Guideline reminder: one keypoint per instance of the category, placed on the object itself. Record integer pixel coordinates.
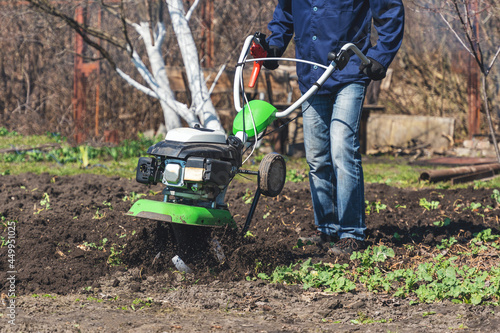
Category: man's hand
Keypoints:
(272, 52)
(374, 70)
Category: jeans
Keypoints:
(331, 138)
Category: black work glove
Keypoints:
(272, 51)
(374, 70)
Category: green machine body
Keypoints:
(262, 113)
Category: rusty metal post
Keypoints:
(82, 71)
(207, 44)
(473, 98)
(473, 89)
(79, 82)
(97, 87)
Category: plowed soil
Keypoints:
(82, 265)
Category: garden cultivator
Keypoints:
(196, 165)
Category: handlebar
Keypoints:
(239, 71)
(339, 61)
(257, 50)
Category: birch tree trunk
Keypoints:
(201, 103)
(157, 79)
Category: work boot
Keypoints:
(318, 238)
(346, 246)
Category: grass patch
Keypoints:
(393, 174)
(124, 168)
(10, 139)
(433, 280)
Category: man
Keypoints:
(331, 117)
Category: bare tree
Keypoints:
(144, 21)
(474, 23)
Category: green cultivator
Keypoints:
(196, 165)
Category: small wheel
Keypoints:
(272, 174)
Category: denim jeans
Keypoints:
(331, 138)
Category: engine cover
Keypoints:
(187, 134)
(192, 169)
(184, 150)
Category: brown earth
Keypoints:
(68, 279)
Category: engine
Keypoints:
(194, 164)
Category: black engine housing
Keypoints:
(220, 161)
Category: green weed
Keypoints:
(45, 203)
(483, 240)
(496, 196)
(114, 256)
(141, 304)
(248, 234)
(107, 204)
(133, 197)
(374, 206)
(485, 236)
(95, 299)
(428, 205)
(331, 277)
(442, 223)
(364, 319)
(373, 255)
(6, 132)
(474, 206)
(447, 243)
(296, 176)
(98, 215)
(429, 282)
(100, 246)
(247, 197)
(3, 241)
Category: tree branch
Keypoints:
(467, 26)
(111, 9)
(143, 70)
(44, 6)
(130, 47)
(136, 84)
(217, 77)
(81, 29)
(455, 33)
(492, 62)
(191, 10)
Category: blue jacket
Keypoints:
(322, 26)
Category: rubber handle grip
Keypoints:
(255, 73)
